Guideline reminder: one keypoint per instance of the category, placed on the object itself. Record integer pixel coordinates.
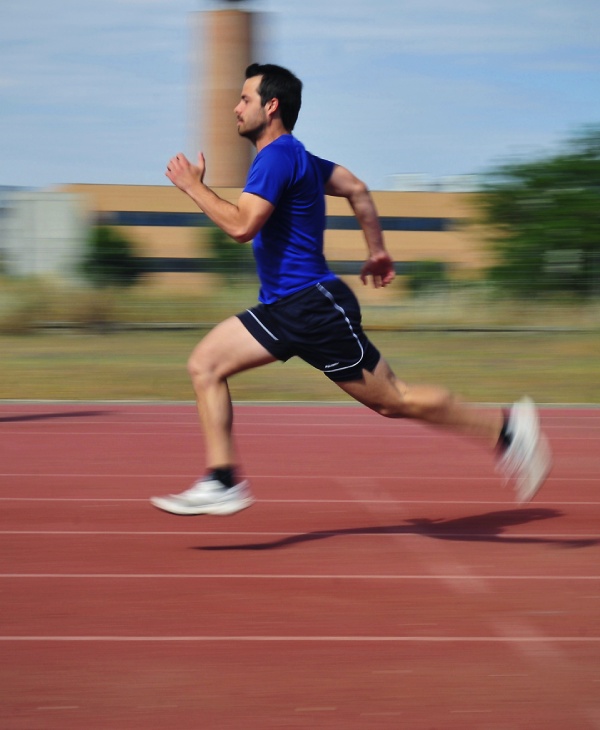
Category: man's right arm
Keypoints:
(242, 221)
(379, 265)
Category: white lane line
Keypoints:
(177, 405)
(412, 478)
(289, 576)
(324, 639)
(418, 476)
(350, 413)
(400, 532)
(188, 475)
(325, 431)
(429, 501)
(23, 422)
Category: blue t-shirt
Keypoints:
(289, 248)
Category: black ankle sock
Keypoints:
(505, 439)
(225, 475)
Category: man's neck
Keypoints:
(270, 135)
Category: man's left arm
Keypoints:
(379, 265)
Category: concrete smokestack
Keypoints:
(226, 38)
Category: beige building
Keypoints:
(163, 223)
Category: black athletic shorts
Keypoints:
(320, 324)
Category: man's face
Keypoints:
(250, 113)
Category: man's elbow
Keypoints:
(359, 191)
(360, 188)
(242, 236)
(241, 232)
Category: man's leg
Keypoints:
(526, 455)
(384, 393)
(228, 349)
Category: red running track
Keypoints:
(384, 578)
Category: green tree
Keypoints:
(109, 259)
(545, 221)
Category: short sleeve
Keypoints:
(325, 168)
(270, 174)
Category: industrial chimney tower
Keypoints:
(225, 41)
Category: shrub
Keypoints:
(109, 259)
(427, 277)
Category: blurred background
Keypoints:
(476, 125)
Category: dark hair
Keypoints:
(279, 83)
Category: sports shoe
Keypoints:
(528, 459)
(207, 497)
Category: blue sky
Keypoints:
(98, 92)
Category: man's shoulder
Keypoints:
(282, 145)
(282, 152)
(288, 147)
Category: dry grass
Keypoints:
(79, 363)
(482, 366)
(37, 302)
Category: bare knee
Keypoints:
(416, 402)
(425, 402)
(202, 367)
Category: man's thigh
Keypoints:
(228, 349)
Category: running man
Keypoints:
(305, 310)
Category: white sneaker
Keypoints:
(528, 459)
(207, 497)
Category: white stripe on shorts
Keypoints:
(340, 309)
(262, 325)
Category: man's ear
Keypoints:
(272, 106)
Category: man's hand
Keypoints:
(379, 266)
(183, 174)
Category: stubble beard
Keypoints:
(254, 134)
